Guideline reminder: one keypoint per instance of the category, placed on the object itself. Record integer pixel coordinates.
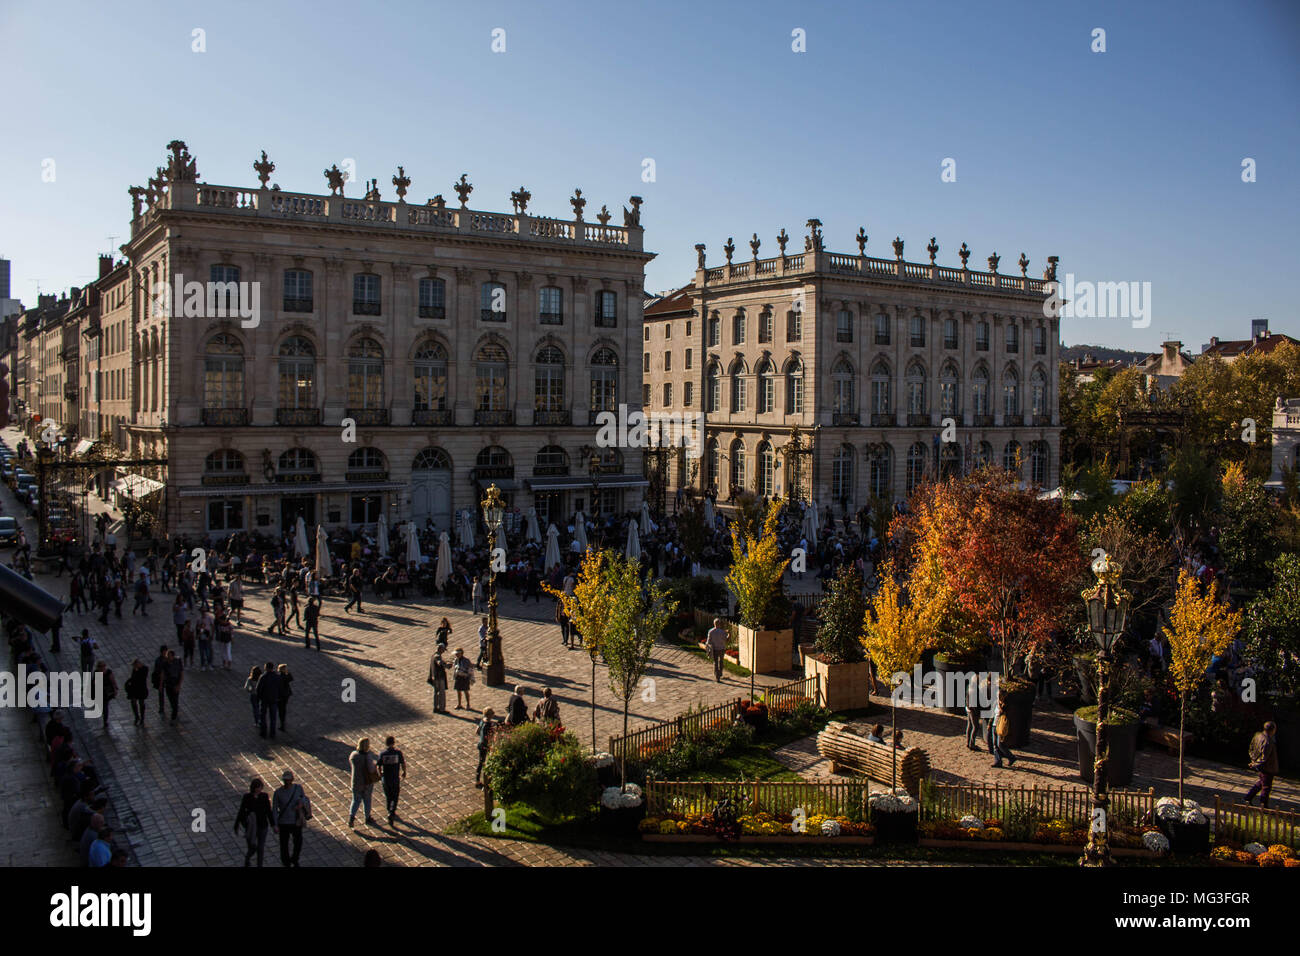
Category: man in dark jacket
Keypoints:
(156, 677)
(268, 693)
(1263, 760)
(173, 674)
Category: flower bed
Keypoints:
(760, 827)
(1050, 836)
(1255, 854)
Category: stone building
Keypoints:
(866, 358)
(464, 347)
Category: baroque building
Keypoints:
(847, 378)
(343, 358)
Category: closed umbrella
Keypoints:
(534, 534)
(633, 549)
(811, 524)
(412, 544)
(580, 531)
(381, 539)
(708, 513)
(646, 523)
(324, 563)
(443, 571)
(552, 547)
(300, 547)
(465, 530)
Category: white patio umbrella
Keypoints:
(580, 531)
(646, 523)
(301, 548)
(324, 563)
(466, 530)
(810, 524)
(633, 549)
(708, 513)
(381, 538)
(534, 532)
(443, 571)
(552, 547)
(412, 544)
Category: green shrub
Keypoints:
(1118, 716)
(1020, 821)
(532, 764)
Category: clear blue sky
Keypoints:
(1126, 164)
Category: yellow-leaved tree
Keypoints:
(1201, 626)
(757, 566)
(588, 609)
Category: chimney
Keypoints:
(105, 265)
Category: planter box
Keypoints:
(1019, 708)
(895, 827)
(1027, 847)
(1122, 747)
(1186, 837)
(843, 686)
(765, 652)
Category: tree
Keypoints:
(1201, 626)
(637, 617)
(896, 633)
(1247, 527)
(691, 529)
(1195, 493)
(1148, 509)
(588, 609)
(1272, 627)
(839, 636)
(757, 568)
(1143, 556)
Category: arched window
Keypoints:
(493, 456)
(297, 461)
(431, 377)
(607, 461)
(794, 325)
(842, 474)
(224, 461)
(949, 390)
(713, 388)
(223, 372)
(1039, 460)
(980, 390)
(766, 387)
(765, 326)
(491, 393)
(881, 388)
(766, 470)
(1011, 457)
(604, 380)
(794, 387)
(548, 380)
(365, 374)
(843, 398)
(737, 467)
(1011, 391)
(738, 395)
(1038, 392)
(882, 470)
(715, 330)
(551, 460)
(916, 389)
(431, 459)
(714, 464)
(915, 467)
(367, 459)
(297, 373)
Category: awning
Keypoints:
(136, 486)
(621, 481)
(83, 446)
(558, 483)
(279, 490)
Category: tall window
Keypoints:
(550, 305)
(915, 467)
(713, 463)
(668, 361)
(688, 394)
(983, 455)
(842, 474)
(948, 389)
(365, 294)
(1040, 340)
(687, 363)
(225, 288)
(365, 374)
(297, 373)
(1038, 392)
(548, 392)
(1038, 462)
(882, 329)
(492, 302)
(794, 387)
(223, 372)
(604, 381)
(882, 468)
(1011, 392)
(843, 399)
(881, 388)
(981, 337)
(606, 309)
(738, 395)
(668, 394)
(491, 393)
(980, 391)
(431, 377)
(715, 330)
(297, 290)
(766, 470)
(738, 328)
(794, 325)
(1013, 338)
(712, 389)
(766, 387)
(765, 326)
(950, 338)
(433, 299)
(737, 466)
(1011, 457)
(844, 326)
(916, 389)
(916, 331)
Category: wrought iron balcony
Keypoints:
(983, 421)
(70, 391)
(919, 419)
(883, 420)
(845, 418)
(551, 318)
(593, 416)
(299, 305)
(1042, 421)
(556, 416)
(494, 416)
(224, 417)
(431, 416)
(297, 417)
(1014, 421)
(364, 308)
(433, 311)
(491, 315)
(367, 416)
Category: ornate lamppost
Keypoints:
(1108, 606)
(493, 511)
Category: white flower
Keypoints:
(1255, 849)
(611, 798)
(630, 800)
(971, 822)
(831, 828)
(603, 759)
(1155, 842)
(1194, 816)
(633, 789)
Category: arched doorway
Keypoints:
(431, 489)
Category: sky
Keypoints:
(1127, 163)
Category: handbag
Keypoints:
(1002, 726)
(372, 773)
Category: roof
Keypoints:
(676, 302)
(1238, 347)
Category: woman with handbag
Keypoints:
(998, 727)
(438, 681)
(365, 774)
(462, 677)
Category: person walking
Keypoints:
(109, 690)
(286, 691)
(290, 810)
(972, 712)
(548, 709)
(443, 634)
(717, 642)
(87, 645)
(476, 596)
(277, 612)
(365, 773)
(268, 696)
(292, 617)
(392, 764)
(438, 681)
(225, 639)
(236, 595)
(137, 690)
(517, 708)
(156, 678)
(141, 595)
(998, 727)
(462, 676)
(187, 647)
(354, 591)
(484, 741)
(1264, 761)
(250, 686)
(482, 644)
(311, 622)
(562, 619)
(254, 816)
(173, 675)
(180, 614)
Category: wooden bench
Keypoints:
(847, 749)
(1166, 737)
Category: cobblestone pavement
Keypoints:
(1050, 759)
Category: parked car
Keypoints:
(8, 530)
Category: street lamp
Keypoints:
(493, 511)
(1108, 606)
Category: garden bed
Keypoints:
(772, 839)
(1017, 847)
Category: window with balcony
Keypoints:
(980, 392)
(433, 299)
(548, 381)
(365, 376)
(882, 388)
(365, 294)
(713, 389)
(738, 470)
(491, 390)
(430, 399)
(1011, 393)
(604, 381)
(738, 389)
(766, 387)
(916, 404)
(766, 485)
(949, 390)
(296, 398)
(843, 399)
(1038, 396)
(794, 387)
(223, 373)
(298, 296)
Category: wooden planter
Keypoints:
(843, 686)
(765, 652)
